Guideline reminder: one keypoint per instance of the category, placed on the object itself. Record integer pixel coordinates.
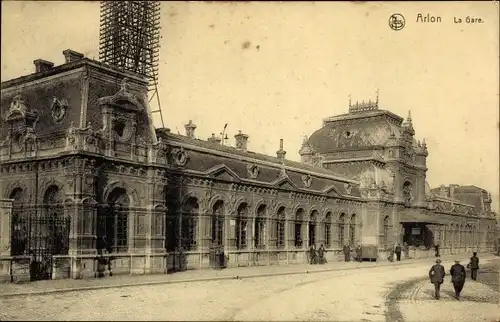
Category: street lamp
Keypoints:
(223, 138)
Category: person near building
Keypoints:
(436, 249)
(398, 250)
(474, 266)
(312, 254)
(321, 254)
(347, 253)
(458, 275)
(436, 275)
(359, 257)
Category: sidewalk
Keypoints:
(68, 285)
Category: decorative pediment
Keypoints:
(123, 99)
(285, 183)
(222, 172)
(332, 191)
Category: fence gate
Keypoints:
(41, 236)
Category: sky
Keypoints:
(274, 70)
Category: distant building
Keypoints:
(86, 177)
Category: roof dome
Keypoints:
(362, 133)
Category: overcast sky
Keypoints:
(275, 70)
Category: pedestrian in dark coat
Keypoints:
(458, 274)
(312, 254)
(436, 275)
(397, 250)
(474, 266)
(321, 254)
(436, 249)
(347, 253)
(359, 257)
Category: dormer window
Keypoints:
(347, 134)
(119, 128)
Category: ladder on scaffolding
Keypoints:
(158, 108)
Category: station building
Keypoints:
(85, 176)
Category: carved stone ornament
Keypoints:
(181, 157)
(348, 187)
(59, 109)
(253, 171)
(307, 180)
(17, 106)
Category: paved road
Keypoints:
(414, 299)
(356, 295)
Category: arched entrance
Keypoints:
(49, 234)
(112, 228)
(19, 224)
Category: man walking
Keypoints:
(436, 250)
(474, 266)
(458, 274)
(398, 252)
(436, 275)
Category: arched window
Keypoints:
(341, 230)
(312, 227)
(280, 228)
(189, 221)
(385, 240)
(113, 222)
(260, 227)
(218, 223)
(241, 226)
(327, 226)
(352, 231)
(299, 217)
(19, 223)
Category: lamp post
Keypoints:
(223, 138)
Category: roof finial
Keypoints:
(376, 102)
(409, 116)
(350, 100)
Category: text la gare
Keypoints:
(468, 19)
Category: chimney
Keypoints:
(281, 153)
(214, 139)
(190, 127)
(42, 65)
(71, 55)
(241, 141)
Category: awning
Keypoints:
(416, 216)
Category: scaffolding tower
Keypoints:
(130, 39)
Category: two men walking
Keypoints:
(457, 272)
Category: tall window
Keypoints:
(280, 228)
(260, 227)
(218, 223)
(327, 224)
(312, 227)
(340, 229)
(386, 232)
(19, 241)
(241, 226)
(113, 222)
(352, 231)
(299, 217)
(189, 220)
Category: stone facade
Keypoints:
(91, 188)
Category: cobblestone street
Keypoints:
(347, 295)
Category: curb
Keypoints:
(202, 279)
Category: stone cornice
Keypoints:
(19, 86)
(55, 72)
